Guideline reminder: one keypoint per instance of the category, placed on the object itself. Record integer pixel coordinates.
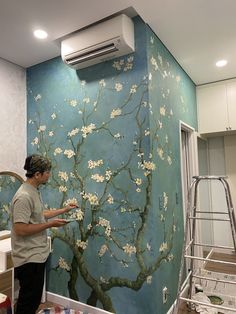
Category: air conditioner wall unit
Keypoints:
(98, 43)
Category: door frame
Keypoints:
(193, 170)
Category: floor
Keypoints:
(222, 268)
(219, 268)
(45, 305)
(227, 269)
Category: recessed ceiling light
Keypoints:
(221, 63)
(39, 33)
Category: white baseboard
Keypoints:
(75, 305)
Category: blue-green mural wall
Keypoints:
(112, 133)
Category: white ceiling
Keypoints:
(196, 32)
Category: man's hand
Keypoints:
(58, 222)
(70, 206)
(55, 212)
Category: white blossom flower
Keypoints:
(106, 224)
(98, 178)
(41, 128)
(82, 244)
(138, 190)
(115, 113)
(149, 165)
(165, 200)
(102, 250)
(70, 200)
(73, 102)
(133, 89)
(169, 160)
(63, 264)
(154, 63)
(149, 280)
(73, 132)
(116, 65)
(50, 133)
(86, 100)
(160, 153)
(62, 188)
(92, 198)
(38, 97)
(162, 217)
(110, 199)
(88, 129)
(160, 58)
(63, 176)
(170, 257)
(102, 83)
(163, 247)
(35, 141)
(93, 164)
(83, 83)
(53, 116)
(128, 66)
(79, 214)
(103, 280)
(129, 249)
(57, 151)
(162, 111)
(118, 87)
(108, 174)
(117, 135)
(138, 181)
(146, 132)
(69, 153)
(130, 59)
(89, 226)
(123, 209)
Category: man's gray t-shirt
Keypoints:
(27, 207)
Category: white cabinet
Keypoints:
(231, 97)
(217, 107)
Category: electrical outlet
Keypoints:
(164, 295)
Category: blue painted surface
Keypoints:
(111, 131)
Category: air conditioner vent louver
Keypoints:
(92, 54)
(109, 39)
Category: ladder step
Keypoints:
(209, 260)
(210, 177)
(214, 246)
(207, 212)
(214, 279)
(215, 219)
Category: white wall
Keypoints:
(12, 117)
(230, 164)
(221, 165)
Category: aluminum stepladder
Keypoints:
(187, 287)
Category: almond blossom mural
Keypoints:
(110, 131)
